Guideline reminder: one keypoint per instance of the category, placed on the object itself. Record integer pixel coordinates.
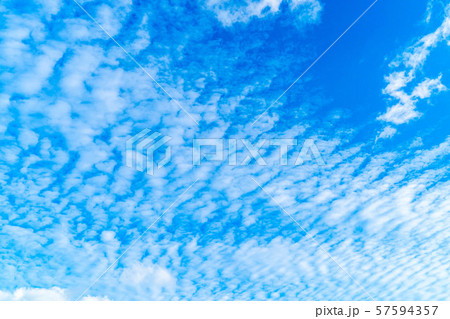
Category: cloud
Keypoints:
(405, 110)
(228, 12)
(429, 86)
(31, 294)
(70, 207)
(50, 7)
(41, 294)
(387, 132)
(309, 10)
(399, 82)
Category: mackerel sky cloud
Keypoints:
(80, 78)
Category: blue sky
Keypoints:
(376, 105)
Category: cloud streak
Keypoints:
(410, 62)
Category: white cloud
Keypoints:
(30, 294)
(405, 110)
(41, 294)
(27, 138)
(427, 87)
(229, 13)
(400, 81)
(75, 207)
(308, 10)
(50, 7)
(417, 142)
(107, 17)
(400, 113)
(387, 132)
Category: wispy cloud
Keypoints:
(230, 12)
(402, 80)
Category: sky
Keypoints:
(80, 78)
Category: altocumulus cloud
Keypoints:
(409, 64)
(70, 207)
